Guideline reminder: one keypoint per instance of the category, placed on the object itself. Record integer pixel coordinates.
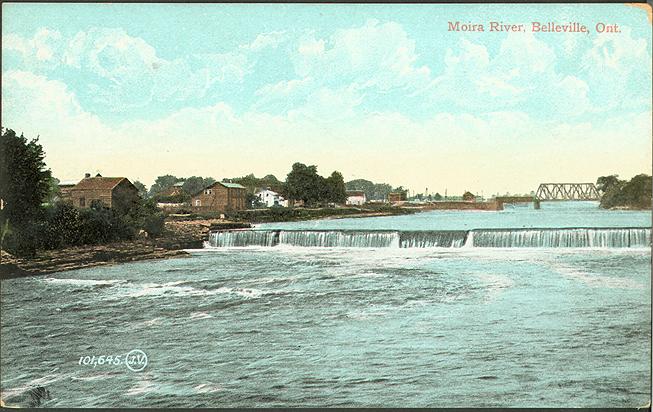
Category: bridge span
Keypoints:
(567, 191)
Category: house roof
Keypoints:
(232, 185)
(355, 193)
(225, 184)
(98, 183)
(68, 183)
(179, 184)
(266, 190)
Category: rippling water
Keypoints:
(306, 326)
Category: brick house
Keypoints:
(111, 191)
(220, 197)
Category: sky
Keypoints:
(382, 92)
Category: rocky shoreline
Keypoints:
(179, 234)
(177, 237)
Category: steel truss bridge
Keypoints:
(567, 191)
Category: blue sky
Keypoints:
(383, 92)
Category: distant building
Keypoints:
(219, 197)
(271, 198)
(109, 190)
(174, 190)
(396, 196)
(64, 188)
(355, 197)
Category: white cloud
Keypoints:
(264, 40)
(618, 71)
(220, 142)
(128, 71)
(374, 55)
(41, 51)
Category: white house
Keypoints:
(271, 198)
(356, 197)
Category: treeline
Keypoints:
(373, 191)
(302, 183)
(632, 194)
(189, 186)
(31, 217)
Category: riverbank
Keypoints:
(181, 232)
(171, 244)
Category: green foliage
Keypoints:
(303, 183)
(196, 184)
(634, 194)
(606, 183)
(28, 223)
(252, 183)
(335, 188)
(253, 201)
(142, 190)
(25, 184)
(437, 196)
(373, 191)
(180, 198)
(163, 183)
(154, 224)
(54, 192)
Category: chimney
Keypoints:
(87, 175)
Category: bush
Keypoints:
(635, 194)
(154, 224)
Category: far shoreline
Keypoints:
(189, 233)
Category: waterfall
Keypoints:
(478, 238)
(558, 238)
(334, 238)
(232, 238)
(441, 238)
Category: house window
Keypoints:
(198, 202)
(208, 191)
(82, 202)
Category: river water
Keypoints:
(402, 311)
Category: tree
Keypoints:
(380, 191)
(605, 183)
(142, 190)
(195, 184)
(25, 184)
(361, 184)
(469, 197)
(163, 183)
(335, 188)
(54, 191)
(373, 191)
(437, 196)
(303, 183)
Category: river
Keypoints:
(523, 307)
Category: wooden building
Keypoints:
(356, 197)
(174, 190)
(220, 197)
(111, 191)
(396, 197)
